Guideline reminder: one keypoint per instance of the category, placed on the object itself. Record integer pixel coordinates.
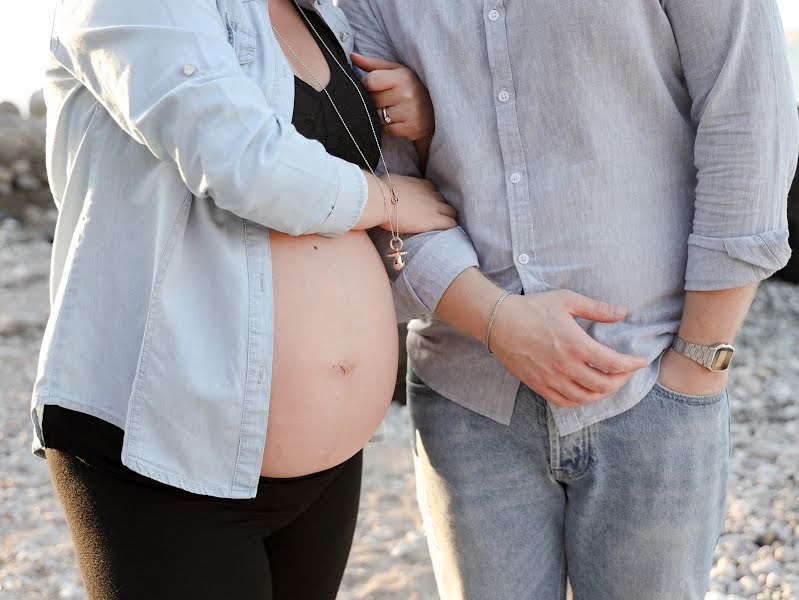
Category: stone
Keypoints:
(36, 107)
(724, 571)
(9, 108)
(748, 584)
(27, 183)
(21, 166)
(764, 566)
(23, 139)
(773, 579)
(784, 554)
(769, 537)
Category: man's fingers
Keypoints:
(372, 63)
(577, 393)
(599, 381)
(558, 399)
(593, 310)
(610, 361)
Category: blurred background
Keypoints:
(757, 556)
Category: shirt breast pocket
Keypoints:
(242, 37)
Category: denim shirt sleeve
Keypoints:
(435, 258)
(170, 79)
(747, 140)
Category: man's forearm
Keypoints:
(708, 318)
(712, 317)
(468, 302)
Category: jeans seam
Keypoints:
(587, 443)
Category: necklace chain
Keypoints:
(396, 242)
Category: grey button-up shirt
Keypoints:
(628, 151)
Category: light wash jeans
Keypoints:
(628, 509)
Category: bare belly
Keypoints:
(335, 351)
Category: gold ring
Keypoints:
(386, 116)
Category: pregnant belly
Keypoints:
(335, 351)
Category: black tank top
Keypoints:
(314, 115)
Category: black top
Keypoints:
(315, 117)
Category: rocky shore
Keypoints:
(757, 556)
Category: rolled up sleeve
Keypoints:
(747, 138)
(170, 79)
(435, 259)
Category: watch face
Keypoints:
(722, 359)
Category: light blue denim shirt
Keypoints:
(626, 150)
(170, 152)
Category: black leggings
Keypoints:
(137, 538)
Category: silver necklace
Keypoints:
(396, 242)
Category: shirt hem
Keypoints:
(142, 467)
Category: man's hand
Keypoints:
(708, 318)
(684, 376)
(397, 89)
(537, 339)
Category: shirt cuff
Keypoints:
(727, 263)
(430, 271)
(350, 201)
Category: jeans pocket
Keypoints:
(707, 400)
(413, 382)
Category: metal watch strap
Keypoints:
(701, 354)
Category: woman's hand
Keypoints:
(397, 89)
(421, 208)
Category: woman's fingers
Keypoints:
(372, 63)
(397, 114)
(389, 98)
(446, 210)
(379, 81)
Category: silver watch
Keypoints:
(714, 358)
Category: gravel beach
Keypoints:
(757, 556)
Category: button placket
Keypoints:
(513, 155)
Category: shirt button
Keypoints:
(504, 96)
(493, 15)
(524, 259)
(515, 177)
(344, 36)
(189, 70)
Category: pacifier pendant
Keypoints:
(396, 253)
